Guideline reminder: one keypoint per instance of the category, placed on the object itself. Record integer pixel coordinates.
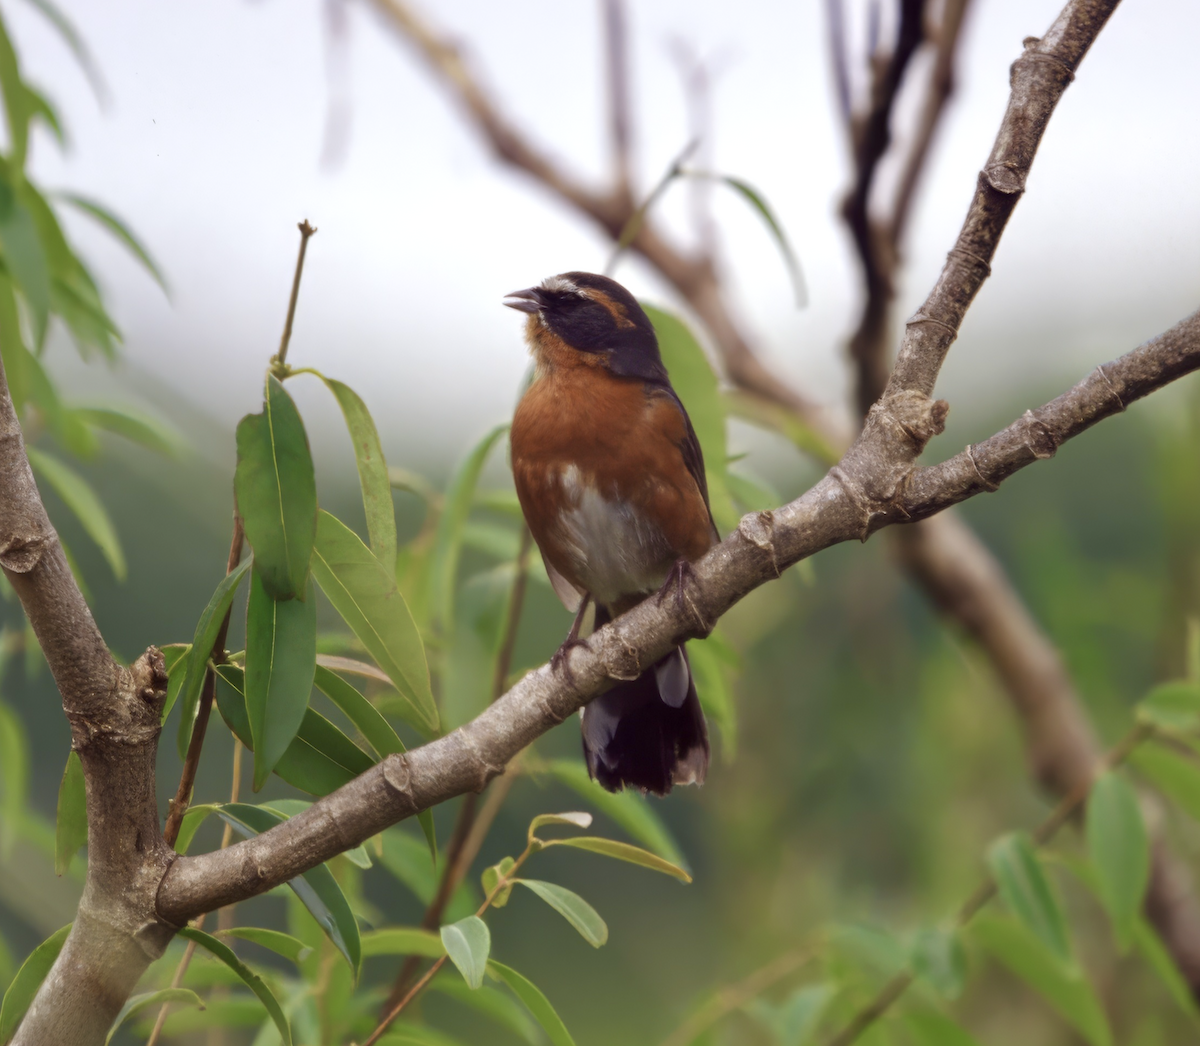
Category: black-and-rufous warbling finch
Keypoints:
(610, 477)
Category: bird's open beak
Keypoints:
(530, 300)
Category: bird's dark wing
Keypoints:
(693, 456)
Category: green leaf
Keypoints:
(28, 980)
(1027, 892)
(71, 830)
(356, 855)
(1175, 775)
(121, 231)
(14, 778)
(628, 809)
(403, 940)
(447, 546)
(193, 818)
(409, 1033)
(175, 663)
(248, 976)
(366, 596)
(571, 907)
(24, 252)
(66, 29)
(535, 1001)
(372, 472)
(1060, 983)
(1172, 706)
(134, 426)
(281, 654)
(574, 818)
(1120, 852)
(713, 663)
(1152, 949)
(316, 888)
(695, 383)
(794, 1022)
(406, 857)
(491, 879)
(468, 942)
(930, 1028)
(376, 730)
(939, 959)
(276, 492)
(83, 501)
(622, 852)
(136, 1003)
(492, 1003)
(755, 199)
(196, 663)
(280, 943)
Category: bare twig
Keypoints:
(620, 123)
(306, 232)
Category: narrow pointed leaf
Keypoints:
(573, 818)
(1175, 775)
(76, 44)
(573, 908)
(27, 981)
(316, 888)
(447, 546)
(1120, 852)
(247, 975)
(490, 879)
(930, 1028)
(468, 942)
(121, 231)
(938, 958)
(372, 472)
(366, 596)
(494, 1004)
(281, 654)
(1060, 983)
(276, 492)
(83, 501)
(628, 809)
(403, 940)
(280, 943)
(196, 663)
(175, 664)
(14, 778)
(137, 1003)
(622, 852)
(794, 1021)
(755, 199)
(1014, 863)
(71, 829)
(193, 818)
(535, 1001)
(134, 426)
(1172, 706)
(1152, 949)
(25, 254)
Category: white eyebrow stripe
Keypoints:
(560, 284)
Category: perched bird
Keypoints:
(611, 479)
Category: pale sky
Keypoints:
(211, 145)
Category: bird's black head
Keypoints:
(592, 313)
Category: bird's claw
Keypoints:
(559, 659)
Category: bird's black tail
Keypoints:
(649, 732)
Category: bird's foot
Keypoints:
(559, 660)
(679, 577)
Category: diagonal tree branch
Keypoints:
(875, 485)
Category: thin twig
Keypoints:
(306, 231)
(616, 46)
(466, 839)
(633, 224)
(187, 779)
(1063, 812)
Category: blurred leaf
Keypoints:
(1027, 892)
(752, 495)
(695, 382)
(870, 948)
(196, 663)
(1059, 982)
(281, 652)
(493, 1003)
(39, 106)
(930, 1028)
(14, 779)
(136, 1003)
(408, 1033)
(447, 546)
(276, 492)
(571, 907)
(366, 596)
(280, 943)
(1175, 775)
(403, 940)
(491, 879)
(8, 965)
(714, 665)
(500, 541)
(24, 253)
(406, 857)
(794, 1022)
(939, 959)
(79, 497)
(774, 418)
(28, 980)
(316, 888)
(535, 1001)
(1120, 852)
(13, 353)
(468, 942)
(1147, 941)
(193, 818)
(66, 29)
(622, 852)
(755, 199)
(121, 231)
(248, 976)
(372, 472)
(628, 809)
(71, 824)
(134, 426)
(1172, 706)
